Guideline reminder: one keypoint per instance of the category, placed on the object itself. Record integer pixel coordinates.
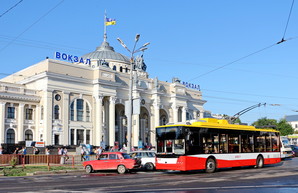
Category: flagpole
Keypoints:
(105, 27)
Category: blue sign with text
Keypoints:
(71, 58)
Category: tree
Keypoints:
(265, 122)
(282, 126)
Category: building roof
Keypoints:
(291, 118)
(105, 51)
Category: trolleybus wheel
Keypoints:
(210, 165)
(260, 162)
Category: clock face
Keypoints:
(57, 97)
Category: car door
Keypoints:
(113, 161)
(101, 163)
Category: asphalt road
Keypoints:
(279, 178)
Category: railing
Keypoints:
(44, 160)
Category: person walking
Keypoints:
(35, 150)
(60, 151)
(24, 150)
(98, 152)
(1, 150)
(65, 154)
(47, 151)
(82, 154)
(16, 151)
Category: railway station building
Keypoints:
(70, 100)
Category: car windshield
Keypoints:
(126, 156)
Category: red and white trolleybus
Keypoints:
(209, 143)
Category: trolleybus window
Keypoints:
(170, 140)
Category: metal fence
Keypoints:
(44, 160)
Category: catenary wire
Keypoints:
(220, 67)
(288, 20)
(3, 48)
(5, 12)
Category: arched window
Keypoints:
(56, 112)
(80, 109)
(28, 135)
(10, 136)
(163, 120)
(114, 67)
(121, 69)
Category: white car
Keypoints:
(147, 158)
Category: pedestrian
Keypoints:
(47, 151)
(98, 152)
(24, 150)
(16, 151)
(60, 151)
(60, 154)
(65, 154)
(124, 147)
(35, 150)
(1, 150)
(82, 154)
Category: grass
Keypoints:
(20, 171)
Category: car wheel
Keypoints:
(89, 169)
(210, 165)
(121, 169)
(260, 162)
(149, 166)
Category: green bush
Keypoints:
(13, 162)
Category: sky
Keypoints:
(228, 47)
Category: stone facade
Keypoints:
(68, 103)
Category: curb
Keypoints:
(55, 172)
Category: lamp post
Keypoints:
(129, 109)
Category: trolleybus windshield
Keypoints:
(170, 140)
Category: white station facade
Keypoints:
(70, 100)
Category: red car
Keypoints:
(119, 161)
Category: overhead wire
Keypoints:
(41, 44)
(288, 20)
(12, 41)
(281, 41)
(5, 12)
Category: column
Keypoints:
(156, 123)
(184, 110)
(65, 118)
(2, 122)
(20, 132)
(112, 120)
(37, 123)
(175, 113)
(98, 121)
(195, 115)
(156, 115)
(201, 114)
(48, 117)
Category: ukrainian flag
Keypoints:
(110, 21)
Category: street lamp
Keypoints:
(129, 109)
